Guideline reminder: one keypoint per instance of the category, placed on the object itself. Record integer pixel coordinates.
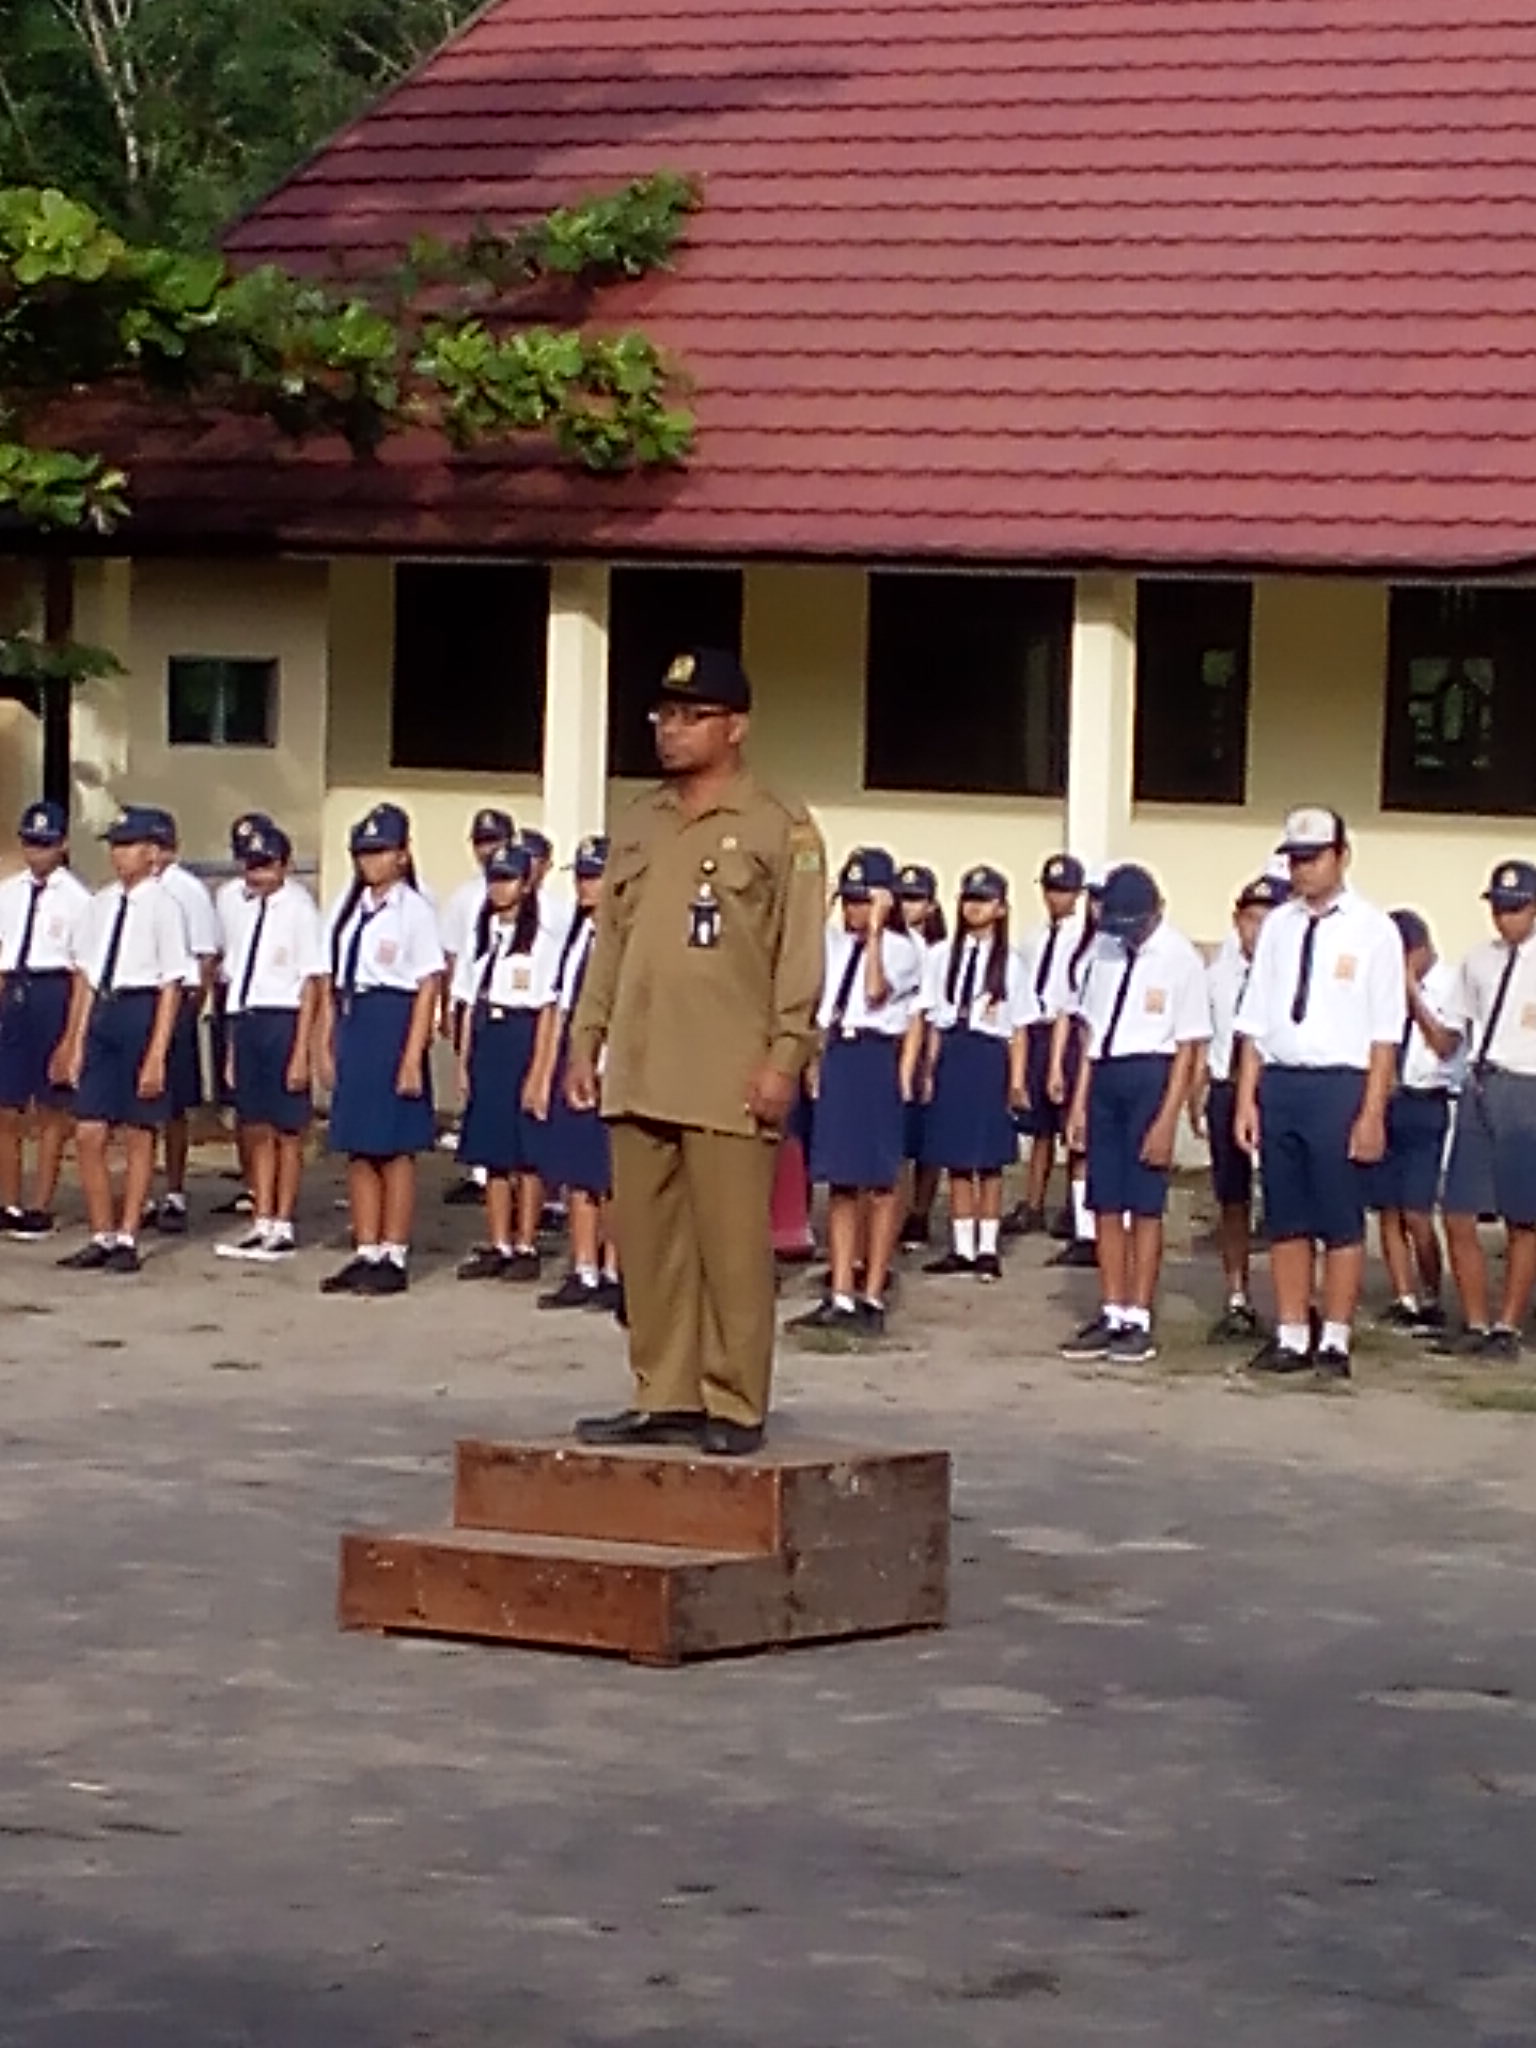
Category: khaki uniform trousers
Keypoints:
(692, 1217)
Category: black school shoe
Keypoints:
(26, 1225)
(951, 1262)
(383, 1276)
(573, 1292)
(1091, 1341)
(170, 1220)
(1331, 1364)
(607, 1297)
(1501, 1346)
(524, 1265)
(988, 1266)
(1064, 1223)
(1273, 1358)
(90, 1258)
(826, 1315)
(242, 1204)
(1467, 1343)
(731, 1439)
(483, 1263)
(1081, 1253)
(642, 1426)
(348, 1279)
(124, 1258)
(464, 1194)
(1022, 1221)
(1237, 1324)
(915, 1235)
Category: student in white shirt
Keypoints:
(974, 1078)
(870, 1020)
(489, 831)
(1074, 1223)
(1046, 953)
(230, 892)
(507, 983)
(381, 1005)
(1144, 1010)
(557, 906)
(922, 919)
(1405, 1185)
(1492, 1167)
(185, 1084)
(1213, 1105)
(275, 961)
(39, 910)
(131, 965)
(1320, 1021)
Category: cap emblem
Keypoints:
(682, 672)
(855, 871)
(1508, 879)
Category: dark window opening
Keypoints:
(652, 613)
(1461, 701)
(212, 701)
(470, 655)
(1192, 672)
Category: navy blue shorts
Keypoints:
(183, 1067)
(1124, 1096)
(497, 1132)
(1312, 1188)
(368, 1119)
(1231, 1166)
(262, 1041)
(575, 1145)
(34, 1009)
(914, 1131)
(858, 1140)
(1408, 1177)
(115, 1043)
(1492, 1170)
(969, 1126)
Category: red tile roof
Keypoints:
(1119, 281)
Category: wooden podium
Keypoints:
(664, 1555)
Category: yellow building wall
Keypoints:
(21, 734)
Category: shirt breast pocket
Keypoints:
(628, 867)
(740, 875)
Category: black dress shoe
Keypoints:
(124, 1258)
(171, 1219)
(1080, 1252)
(90, 1258)
(642, 1426)
(731, 1439)
(348, 1280)
(464, 1194)
(1274, 1357)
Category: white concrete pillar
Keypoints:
(576, 704)
(1101, 726)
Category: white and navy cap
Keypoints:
(43, 824)
(1312, 829)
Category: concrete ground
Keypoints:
(1232, 1741)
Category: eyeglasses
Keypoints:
(686, 714)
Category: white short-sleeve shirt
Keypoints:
(992, 1019)
(192, 899)
(1226, 977)
(1355, 999)
(902, 960)
(1045, 955)
(1165, 1004)
(289, 946)
(60, 906)
(460, 912)
(1423, 1070)
(1473, 995)
(511, 981)
(152, 951)
(399, 948)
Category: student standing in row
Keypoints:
(1405, 1186)
(132, 963)
(1046, 955)
(1075, 1222)
(1320, 1021)
(578, 1156)
(974, 1071)
(870, 1021)
(40, 910)
(1144, 1010)
(185, 1081)
(489, 831)
(917, 893)
(241, 827)
(1213, 1105)
(1492, 1169)
(381, 1005)
(273, 945)
(507, 987)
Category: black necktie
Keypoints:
(1043, 971)
(114, 947)
(365, 918)
(250, 959)
(1107, 1045)
(1404, 1041)
(25, 948)
(574, 930)
(1501, 996)
(844, 994)
(967, 987)
(573, 996)
(483, 992)
(1303, 993)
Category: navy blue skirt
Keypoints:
(498, 1133)
(575, 1147)
(34, 1009)
(969, 1124)
(857, 1139)
(368, 1119)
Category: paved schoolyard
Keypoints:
(1233, 1740)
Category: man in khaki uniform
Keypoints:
(701, 996)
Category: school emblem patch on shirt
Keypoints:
(1528, 1017)
(1344, 967)
(1156, 1001)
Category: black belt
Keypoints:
(111, 995)
(1427, 1094)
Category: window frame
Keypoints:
(523, 754)
(270, 666)
(1189, 637)
(1510, 640)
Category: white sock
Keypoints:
(176, 1201)
(526, 1251)
(964, 1229)
(986, 1236)
(587, 1275)
(123, 1237)
(371, 1254)
(1293, 1336)
(1137, 1318)
(262, 1226)
(279, 1230)
(108, 1238)
(1409, 1301)
(611, 1275)
(1335, 1337)
(1086, 1227)
(1115, 1316)
(843, 1301)
(504, 1246)
(479, 1175)
(396, 1253)
(1238, 1298)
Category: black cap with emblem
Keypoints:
(707, 676)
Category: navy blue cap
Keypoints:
(706, 675)
(1064, 871)
(386, 829)
(163, 831)
(917, 884)
(1512, 885)
(1412, 929)
(265, 843)
(241, 828)
(1264, 892)
(1131, 901)
(591, 857)
(539, 844)
(488, 825)
(134, 825)
(866, 869)
(510, 863)
(984, 885)
(44, 824)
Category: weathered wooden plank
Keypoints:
(675, 1497)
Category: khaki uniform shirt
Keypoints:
(684, 1027)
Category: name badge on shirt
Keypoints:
(389, 952)
(1156, 1001)
(1528, 1017)
(522, 978)
(55, 927)
(1344, 967)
